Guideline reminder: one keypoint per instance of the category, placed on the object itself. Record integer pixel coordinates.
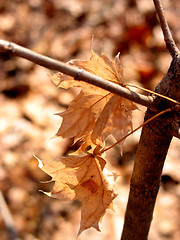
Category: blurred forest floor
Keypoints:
(62, 29)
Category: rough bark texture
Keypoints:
(145, 183)
(154, 143)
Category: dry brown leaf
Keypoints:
(81, 178)
(95, 111)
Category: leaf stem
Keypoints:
(122, 139)
(155, 93)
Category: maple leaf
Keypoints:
(95, 111)
(81, 178)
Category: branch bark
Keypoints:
(78, 74)
(155, 140)
(152, 149)
(145, 183)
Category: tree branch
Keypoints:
(150, 157)
(170, 44)
(154, 143)
(145, 181)
(76, 73)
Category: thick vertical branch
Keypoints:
(153, 146)
(145, 182)
(152, 149)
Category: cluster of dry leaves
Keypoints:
(92, 116)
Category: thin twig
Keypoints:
(155, 93)
(76, 73)
(170, 44)
(130, 133)
(8, 220)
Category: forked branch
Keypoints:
(154, 143)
